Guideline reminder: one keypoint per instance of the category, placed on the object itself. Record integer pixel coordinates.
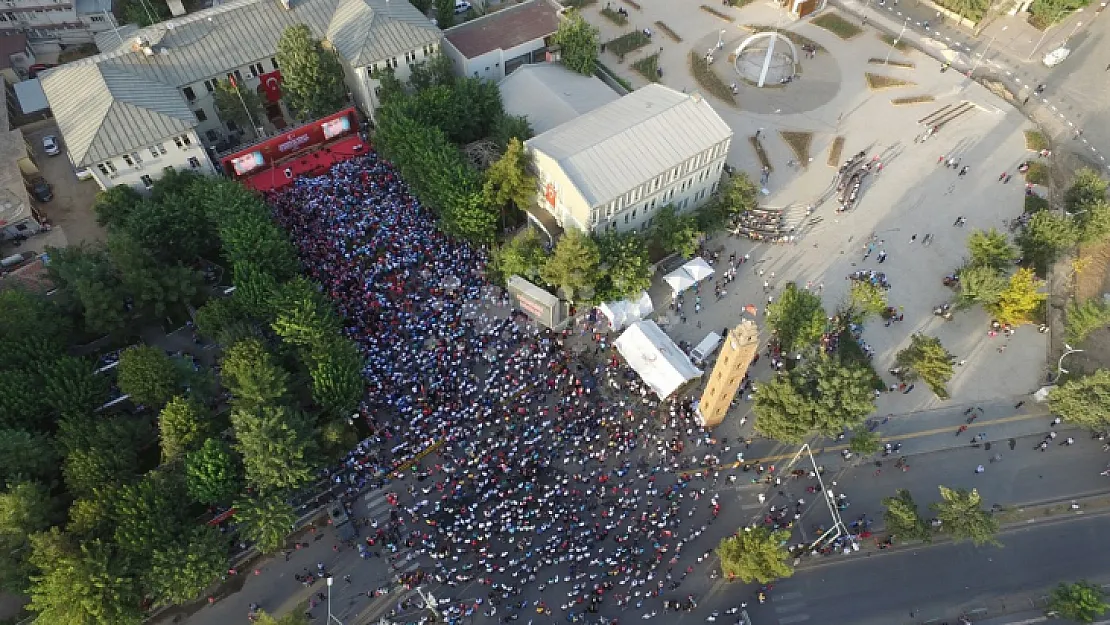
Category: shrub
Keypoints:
(1037, 174)
(648, 67)
(835, 151)
(710, 10)
(617, 18)
(709, 80)
(1035, 140)
(837, 25)
(1035, 203)
(628, 42)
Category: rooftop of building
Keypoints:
(14, 203)
(549, 94)
(11, 45)
(625, 143)
(505, 29)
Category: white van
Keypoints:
(705, 348)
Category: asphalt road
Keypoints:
(935, 583)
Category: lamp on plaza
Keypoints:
(1068, 350)
(721, 39)
(896, 41)
(985, 50)
(830, 498)
(331, 618)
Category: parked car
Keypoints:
(50, 145)
(84, 173)
(37, 68)
(461, 6)
(1056, 57)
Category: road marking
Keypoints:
(797, 618)
(787, 596)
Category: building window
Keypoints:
(153, 152)
(626, 218)
(147, 182)
(107, 168)
(231, 127)
(194, 162)
(257, 69)
(235, 78)
(127, 159)
(273, 62)
(182, 141)
(190, 95)
(96, 18)
(201, 115)
(634, 213)
(210, 85)
(212, 135)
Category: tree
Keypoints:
(509, 180)
(1087, 188)
(70, 387)
(1084, 401)
(445, 13)
(625, 267)
(152, 286)
(990, 248)
(433, 71)
(1020, 300)
(962, 517)
(251, 374)
(523, 255)
(87, 278)
(147, 515)
(142, 13)
(980, 284)
(675, 233)
(26, 508)
(148, 375)
(823, 395)
(902, 518)
(171, 224)
(27, 456)
(509, 127)
(305, 317)
(573, 267)
(864, 442)
(1045, 236)
(738, 194)
(390, 88)
(99, 452)
(1085, 317)
(867, 298)
(1080, 601)
(266, 521)
(578, 43)
(180, 571)
(311, 77)
(225, 321)
(182, 427)
(755, 554)
(212, 473)
(336, 372)
(81, 585)
(241, 106)
(926, 359)
(797, 318)
(1094, 222)
(113, 207)
(255, 239)
(276, 444)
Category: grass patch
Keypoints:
(1035, 140)
(628, 42)
(708, 9)
(760, 153)
(633, 4)
(899, 44)
(917, 99)
(648, 67)
(666, 30)
(837, 25)
(1037, 174)
(578, 4)
(617, 77)
(901, 64)
(613, 16)
(73, 53)
(709, 80)
(739, 4)
(835, 151)
(799, 143)
(877, 82)
(799, 40)
(1035, 204)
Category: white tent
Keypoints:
(627, 311)
(655, 357)
(688, 275)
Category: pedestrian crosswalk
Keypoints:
(377, 507)
(789, 607)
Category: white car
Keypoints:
(461, 6)
(84, 173)
(1055, 57)
(50, 145)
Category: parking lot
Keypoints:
(71, 209)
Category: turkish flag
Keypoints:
(271, 85)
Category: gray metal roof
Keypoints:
(549, 94)
(208, 44)
(626, 143)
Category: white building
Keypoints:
(494, 45)
(615, 166)
(146, 103)
(49, 25)
(550, 95)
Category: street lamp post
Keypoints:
(721, 39)
(1068, 351)
(895, 42)
(829, 497)
(331, 618)
(984, 54)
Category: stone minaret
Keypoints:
(737, 351)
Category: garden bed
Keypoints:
(917, 99)
(633, 4)
(835, 151)
(577, 4)
(708, 9)
(648, 67)
(877, 82)
(628, 42)
(709, 80)
(893, 63)
(760, 153)
(666, 30)
(613, 16)
(899, 44)
(799, 143)
(1037, 174)
(1035, 140)
(837, 25)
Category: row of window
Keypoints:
(254, 70)
(410, 59)
(662, 180)
(135, 159)
(631, 216)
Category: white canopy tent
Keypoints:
(624, 312)
(655, 357)
(688, 275)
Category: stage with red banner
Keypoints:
(306, 150)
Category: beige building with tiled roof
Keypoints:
(494, 45)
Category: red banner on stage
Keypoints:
(274, 150)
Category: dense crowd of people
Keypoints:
(554, 466)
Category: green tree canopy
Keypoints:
(797, 318)
(962, 516)
(738, 194)
(25, 508)
(864, 442)
(27, 456)
(902, 518)
(1093, 222)
(182, 427)
(1087, 188)
(248, 237)
(181, 570)
(675, 233)
(433, 71)
(1045, 236)
(755, 555)
(1084, 401)
(980, 284)
(1085, 317)
(625, 267)
(1080, 601)
(147, 515)
(32, 329)
(305, 317)
(579, 43)
(867, 298)
(1020, 302)
(311, 76)
(266, 521)
(523, 255)
(336, 372)
(573, 267)
(509, 127)
(241, 106)
(252, 375)
(89, 283)
(148, 374)
(113, 207)
(212, 473)
(822, 395)
(926, 359)
(70, 387)
(990, 248)
(509, 180)
(225, 321)
(445, 13)
(81, 585)
(277, 446)
(152, 286)
(100, 452)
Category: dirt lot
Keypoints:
(71, 208)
